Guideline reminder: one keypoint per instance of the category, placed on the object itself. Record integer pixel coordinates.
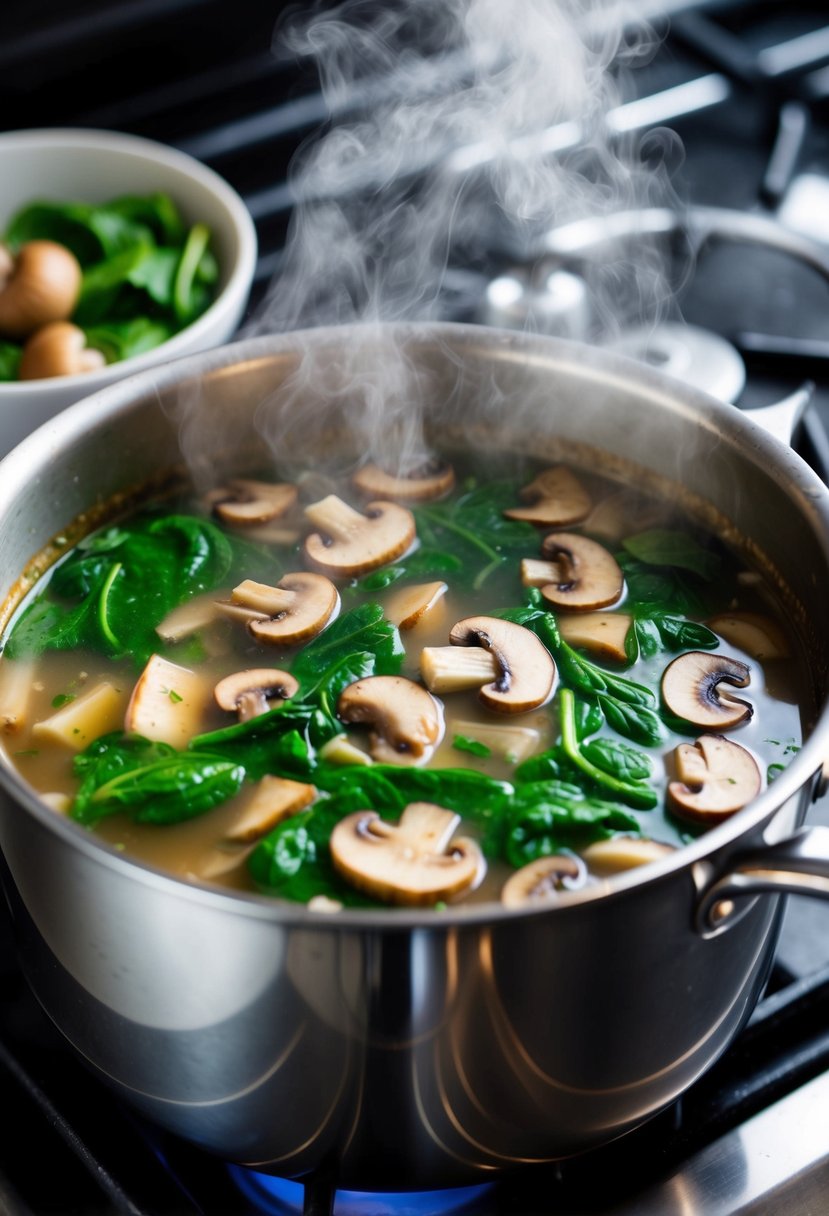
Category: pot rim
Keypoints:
(728, 421)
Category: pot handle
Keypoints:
(798, 865)
(780, 419)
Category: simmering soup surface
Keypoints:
(409, 691)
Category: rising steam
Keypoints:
(458, 126)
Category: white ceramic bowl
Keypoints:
(94, 166)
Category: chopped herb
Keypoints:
(462, 744)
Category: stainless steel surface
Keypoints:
(775, 1163)
(465, 1041)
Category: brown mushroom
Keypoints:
(716, 778)
(412, 862)
(40, 285)
(407, 721)
(295, 610)
(58, 349)
(619, 853)
(691, 689)
(527, 675)
(251, 693)
(427, 482)
(543, 880)
(582, 574)
(349, 543)
(245, 502)
(557, 497)
(601, 633)
(754, 633)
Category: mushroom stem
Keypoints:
(261, 597)
(451, 669)
(336, 518)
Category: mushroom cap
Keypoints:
(351, 543)
(716, 778)
(589, 577)
(543, 880)
(413, 862)
(42, 285)
(250, 502)
(431, 480)
(527, 674)
(58, 349)
(313, 601)
(691, 689)
(558, 498)
(407, 720)
(250, 692)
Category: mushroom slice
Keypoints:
(691, 689)
(248, 502)
(557, 498)
(167, 703)
(752, 632)
(586, 575)
(432, 480)
(410, 605)
(601, 633)
(413, 862)
(527, 675)
(407, 721)
(251, 692)
(188, 618)
(295, 610)
(349, 543)
(619, 853)
(451, 669)
(716, 778)
(542, 880)
(273, 799)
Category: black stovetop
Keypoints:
(201, 75)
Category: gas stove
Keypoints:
(738, 94)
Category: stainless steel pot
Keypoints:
(407, 1049)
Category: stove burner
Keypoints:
(281, 1197)
(688, 353)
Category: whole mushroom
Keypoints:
(38, 286)
(577, 573)
(58, 349)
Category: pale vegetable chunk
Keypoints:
(167, 704)
(96, 712)
(16, 687)
(272, 800)
(601, 633)
(513, 743)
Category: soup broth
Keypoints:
(470, 709)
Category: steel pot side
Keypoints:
(414, 1047)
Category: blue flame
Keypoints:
(281, 1197)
